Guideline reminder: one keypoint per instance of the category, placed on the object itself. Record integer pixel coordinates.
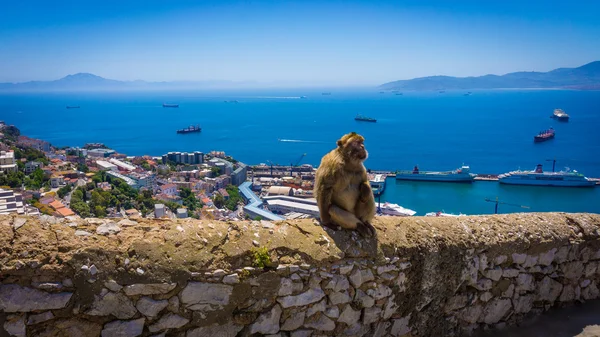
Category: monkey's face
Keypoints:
(356, 150)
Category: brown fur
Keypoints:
(342, 187)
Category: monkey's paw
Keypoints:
(365, 229)
(331, 226)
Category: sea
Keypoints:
(489, 130)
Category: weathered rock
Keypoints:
(382, 291)
(268, 322)
(356, 329)
(317, 307)
(390, 308)
(486, 296)
(483, 262)
(301, 333)
(561, 255)
(493, 274)
(509, 292)
(568, 293)
(308, 297)
(115, 304)
(149, 289)
(204, 295)
(168, 321)
(332, 312)
(295, 321)
(523, 304)
(321, 323)
(346, 269)
(455, 302)
(386, 269)
(108, 228)
(80, 232)
(590, 292)
(14, 298)
(173, 304)
(471, 314)
(572, 270)
(226, 330)
(585, 283)
(548, 290)
(519, 258)
(124, 328)
(363, 299)
(231, 279)
(15, 325)
(495, 310)
(113, 285)
(484, 284)
(288, 287)
(545, 259)
(149, 307)
(72, 327)
(400, 326)
(371, 315)
(524, 283)
(360, 276)
(127, 223)
(530, 261)
(338, 283)
(510, 273)
(349, 315)
(19, 222)
(39, 318)
(339, 298)
(500, 259)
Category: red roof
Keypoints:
(57, 205)
(65, 211)
(167, 186)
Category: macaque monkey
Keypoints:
(342, 188)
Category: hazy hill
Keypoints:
(86, 81)
(584, 77)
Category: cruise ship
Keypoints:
(461, 174)
(361, 118)
(560, 115)
(538, 177)
(395, 210)
(377, 183)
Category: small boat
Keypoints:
(170, 105)
(189, 129)
(399, 94)
(325, 93)
(442, 91)
(377, 183)
(438, 213)
(364, 119)
(303, 97)
(395, 210)
(560, 115)
(544, 136)
(382, 92)
(72, 106)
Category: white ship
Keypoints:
(395, 210)
(442, 214)
(567, 178)
(459, 175)
(377, 183)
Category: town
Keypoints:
(96, 181)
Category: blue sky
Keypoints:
(319, 42)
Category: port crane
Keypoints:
(271, 164)
(292, 165)
(553, 163)
(504, 203)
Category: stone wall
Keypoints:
(419, 277)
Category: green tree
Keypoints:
(215, 171)
(218, 200)
(83, 168)
(63, 191)
(100, 211)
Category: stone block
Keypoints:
(124, 328)
(149, 289)
(14, 298)
(267, 323)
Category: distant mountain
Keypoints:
(86, 82)
(586, 77)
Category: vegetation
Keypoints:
(63, 191)
(83, 168)
(261, 257)
(215, 171)
(11, 133)
(218, 200)
(257, 218)
(234, 197)
(189, 199)
(12, 179)
(30, 154)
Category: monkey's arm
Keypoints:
(365, 188)
(325, 192)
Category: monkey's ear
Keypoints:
(339, 143)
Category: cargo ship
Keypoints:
(544, 136)
(189, 129)
(461, 174)
(538, 177)
(365, 119)
(560, 115)
(395, 210)
(72, 106)
(170, 105)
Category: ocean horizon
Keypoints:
(490, 130)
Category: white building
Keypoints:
(182, 213)
(159, 210)
(128, 180)
(123, 165)
(7, 162)
(285, 204)
(106, 166)
(11, 202)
